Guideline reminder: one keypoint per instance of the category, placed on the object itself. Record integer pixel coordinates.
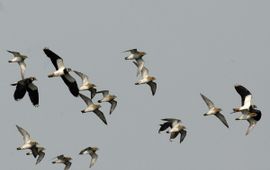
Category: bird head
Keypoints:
(152, 78)
(143, 53)
(67, 70)
(32, 78)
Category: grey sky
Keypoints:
(192, 47)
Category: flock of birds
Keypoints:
(175, 127)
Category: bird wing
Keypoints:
(82, 151)
(136, 64)
(93, 159)
(144, 71)
(113, 105)
(24, 133)
(104, 92)
(15, 53)
(208, 102)
(82, 76)
(68, 165)
(183, 135)
(171, 120)
(222, 118)
(252, 124)
(93, 92)
(55, 59)
(100, 115)
(33, 94)
(86, 99)
(164, 126)
(141, 69)
(19, 91)
(243, 92)
(22, 68)
(34, 151)
(40, 157)
(140, 65)
(132, 51)
(71, 83)
(153, 86)
(174, 135)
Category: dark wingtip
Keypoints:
(105, 122)
(46, 49)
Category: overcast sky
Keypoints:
(192, 47)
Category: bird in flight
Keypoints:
(62, 71)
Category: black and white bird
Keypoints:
(40, 151)
(91, 107)
(145, 78)
(245, 99)
(62, 71)
(248, 110)
(26, 85)
(175, 128)
(213, 110)
(107, 97)
(18, 58)
(92, 152)
(86, 84)
(252, 116)
(64, 160)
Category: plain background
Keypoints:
(192, 47)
